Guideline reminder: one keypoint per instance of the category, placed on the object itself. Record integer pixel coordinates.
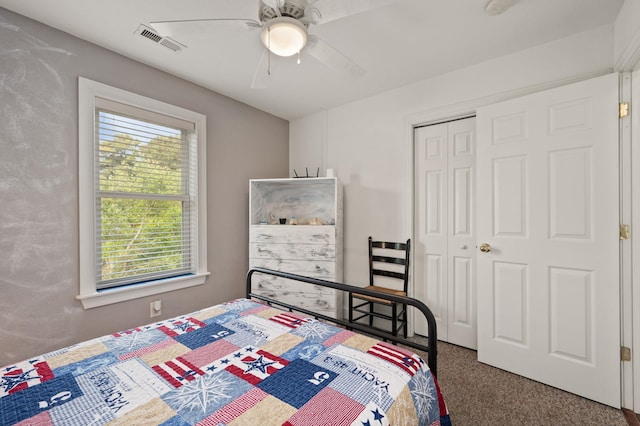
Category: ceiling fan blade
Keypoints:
(332, 58)
(201, 26)
(275, 4)
(330, 10)
(263, 72)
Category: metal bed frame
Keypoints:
(432, 338)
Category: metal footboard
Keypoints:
(432, 338)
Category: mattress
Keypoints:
(237, 363)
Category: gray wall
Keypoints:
(39, 69)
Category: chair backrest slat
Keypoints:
(382, 272)
(388, 259)
(388, 245)
(382, 253)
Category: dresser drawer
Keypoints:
(325, 270)
(296, 234)
(308, 252)
(318, 299)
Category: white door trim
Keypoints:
(635, 243)
(628, 63)
(626, 266)
(631, 382)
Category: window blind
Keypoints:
(145, 195)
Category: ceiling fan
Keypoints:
(284, 31)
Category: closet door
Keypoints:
(444, 242)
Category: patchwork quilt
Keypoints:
(238, 363)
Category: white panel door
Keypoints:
(444, 271)
(548, 289)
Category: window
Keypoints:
(142, 196)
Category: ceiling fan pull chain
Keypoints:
(269, 52)
(298, 61)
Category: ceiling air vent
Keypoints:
(151, 34)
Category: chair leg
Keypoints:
(394, 319)
(404, 320)
(370, 314)
(350, 307)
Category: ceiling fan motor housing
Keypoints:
(288, 8)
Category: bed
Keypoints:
(250, 361)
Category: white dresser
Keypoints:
(304, 249)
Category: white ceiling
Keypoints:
(397, 44)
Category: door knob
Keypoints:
(485, 248)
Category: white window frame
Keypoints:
(90, 297)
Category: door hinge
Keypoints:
(623, 109)
(625, 230)
(625, 353)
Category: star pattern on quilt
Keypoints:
(184, 327)
(377, 418)
(424, 394)
(12, 380)
(373, 415)
(408, 362)
(377, 415)
(259, 364)
(130, 341)
(200, 394)
(313, 329)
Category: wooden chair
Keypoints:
(388, 261)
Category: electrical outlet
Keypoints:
(155, 308)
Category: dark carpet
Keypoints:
(478, 394)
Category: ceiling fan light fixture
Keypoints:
(284, 36)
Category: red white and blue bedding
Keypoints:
(238, 363)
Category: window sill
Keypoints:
(123, 294)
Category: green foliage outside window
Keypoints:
(142, 206)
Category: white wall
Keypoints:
(39, 263)
(310, 149)
(367, 140)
